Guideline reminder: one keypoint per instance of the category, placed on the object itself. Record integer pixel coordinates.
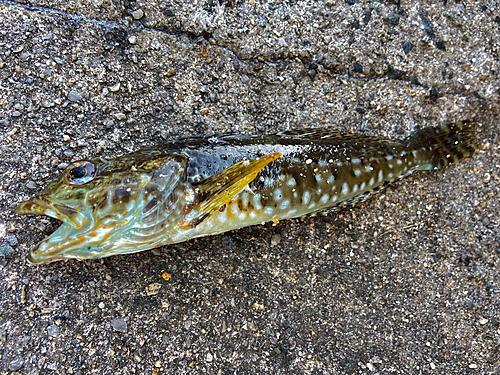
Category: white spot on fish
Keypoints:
(306, 197)
(390, 175)
(242, 216)
(284, 205)
(414, 153)
(388, 157)
(256, 202)
(295, 194)
(317, 177)
(292, 212)
(357, 172)
(309, 161)
(345, 189)
(253, 214)
(234, 209)
(222, 216)
(356, 161)
(268, 211)
(291, 182)
(334, 198)
(268, 181)
(324, 199)
(380, 175)
(355, 188)
(245, 197)
(363, 185)
(399, 161)
(339, 163)
(372, 181)
(319, 191)
(311, 206)
(278, 195)
(330, 179)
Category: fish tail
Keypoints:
(436, 147)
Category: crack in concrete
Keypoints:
(194, 38)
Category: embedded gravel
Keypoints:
(407, 283)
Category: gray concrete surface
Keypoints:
(407, 283)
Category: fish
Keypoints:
(206, 185)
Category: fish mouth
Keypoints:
(55, 246)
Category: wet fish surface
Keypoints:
(206, 185)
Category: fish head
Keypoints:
(106, 207)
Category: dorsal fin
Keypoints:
(331, 135)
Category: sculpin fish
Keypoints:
(205, 185)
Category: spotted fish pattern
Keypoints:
(206, 185)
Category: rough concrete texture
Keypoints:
(407, 283)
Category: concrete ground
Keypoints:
(407, 283)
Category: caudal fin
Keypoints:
(438, 146)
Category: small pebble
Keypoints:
(115, 88)
(16, 114)
(245, 79)
(153, 289)
(275, 239)
(483, 321)
(74, 96)
(119, 325)
(407, 47)
(11, 239)
(53, 330)
(132, 39)
(486, 178)
(137, 14)
(210, 357)
(41, 227)
(6, 250)
(170, 72)
(31, 185)
(16, 364)
(120, 116)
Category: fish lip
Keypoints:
(37, 257)
(42, 206)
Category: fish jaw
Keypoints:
(42, 206)
(53, 248)
(69, 234)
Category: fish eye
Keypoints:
(80, 172)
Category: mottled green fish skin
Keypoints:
(158, 196)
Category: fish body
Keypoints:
(206, 185)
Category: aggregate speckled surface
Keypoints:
(407, 283)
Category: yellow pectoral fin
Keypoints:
(220, 189)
